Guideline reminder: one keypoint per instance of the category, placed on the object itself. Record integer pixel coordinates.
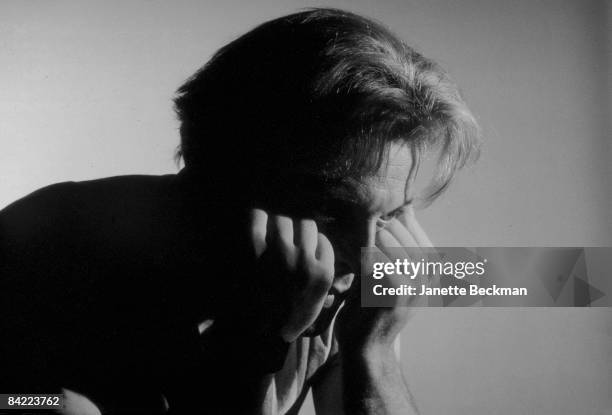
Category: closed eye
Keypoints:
(384, 220)
(382, 224)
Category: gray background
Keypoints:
(85, 92)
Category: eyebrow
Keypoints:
(345, 191)
(400, 207)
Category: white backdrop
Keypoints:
(86, 88)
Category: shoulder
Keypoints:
(66, 210)
(66, 198)
(37, 212)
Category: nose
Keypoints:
(365, 235)
(370, 237)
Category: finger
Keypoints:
(325, 253)
(409, 220)
(306, 236)
(392, 248)
(388, 244)
(259, 223)
(343, 283)
(401, 233)
(405, 239)
(280, 231)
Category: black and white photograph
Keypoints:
(391, 207)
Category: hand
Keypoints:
(295, 270)
(361, 329)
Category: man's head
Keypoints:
(322, 91)
(323, 114)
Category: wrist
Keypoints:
(368, 352)
(366, 345)
(375, 362)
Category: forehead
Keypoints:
(385, 190)
(388, 187)
(396, 171)
(313, 192)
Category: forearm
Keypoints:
(374, 384)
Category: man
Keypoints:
(232, 287)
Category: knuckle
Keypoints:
(308, 225)
(319, 283)
(285, 246)
(289, 259)
(323, 240)
(325, 247)
(320, 276)
(311, 267)
(257, 234)
(305, 261)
